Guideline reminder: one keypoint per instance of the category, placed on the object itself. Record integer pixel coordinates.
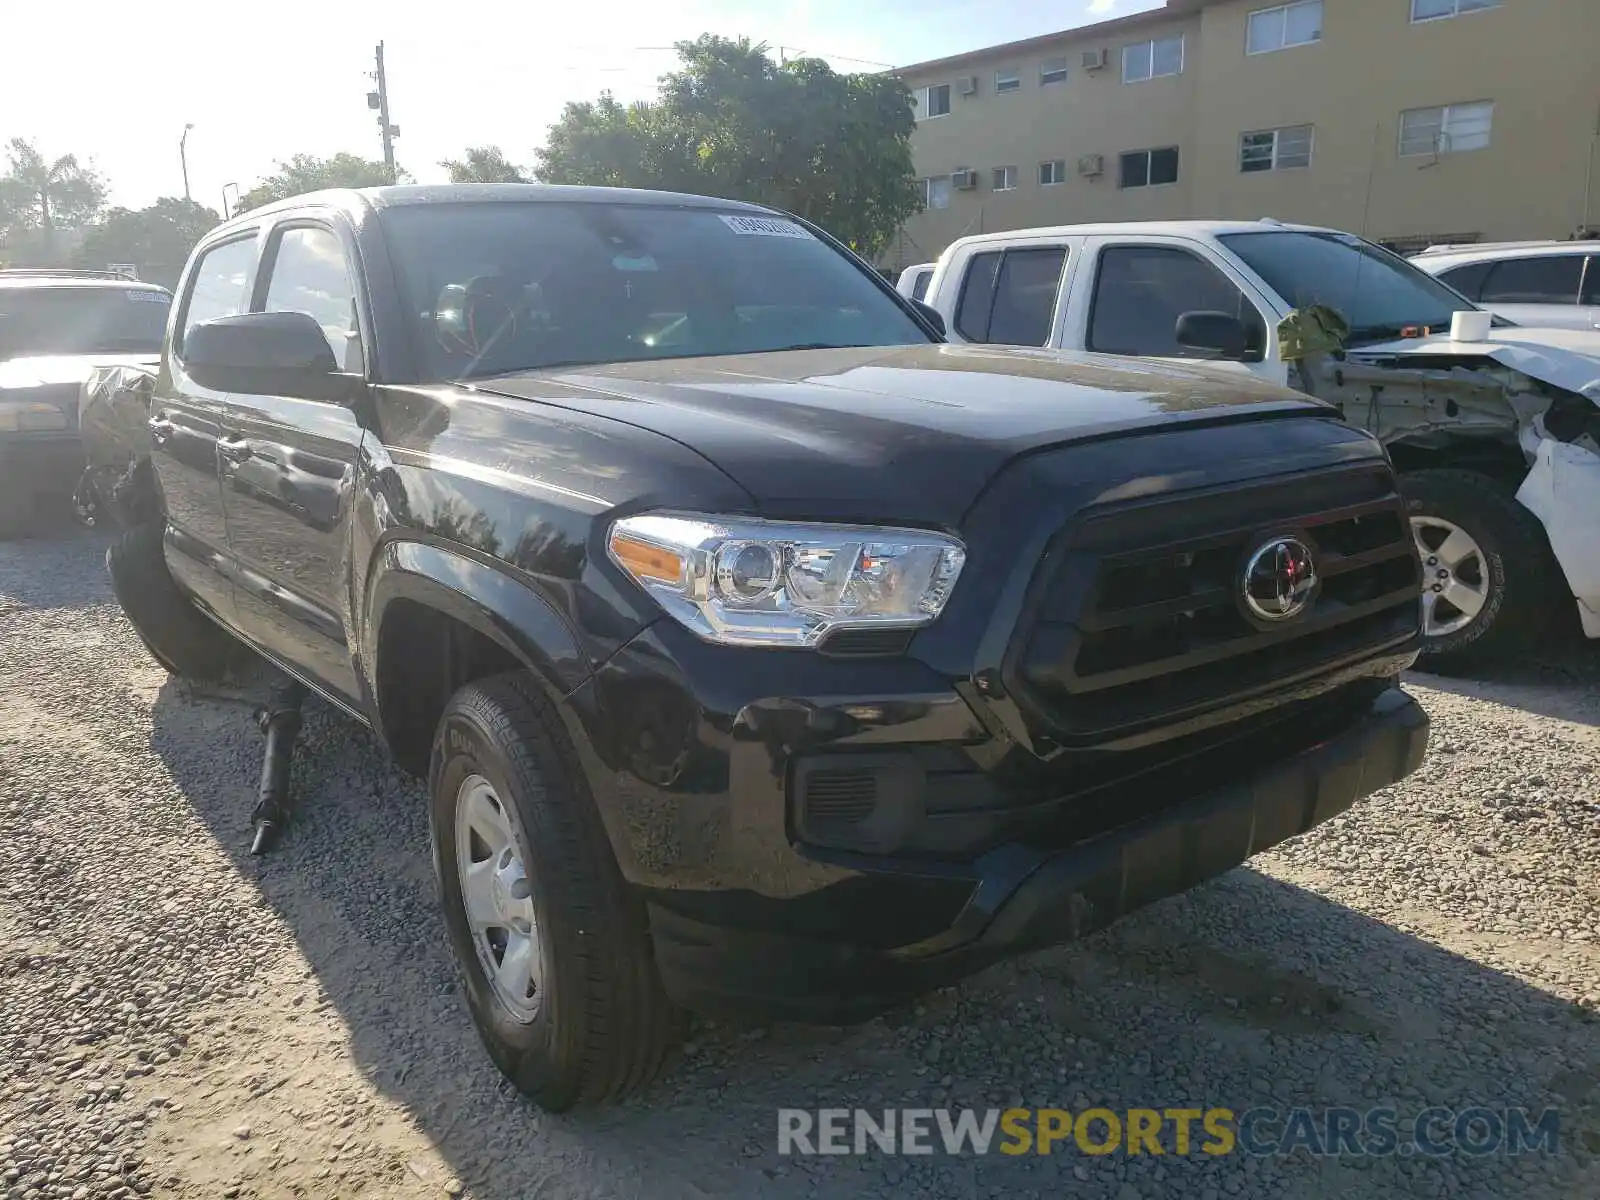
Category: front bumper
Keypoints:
(1022, 898)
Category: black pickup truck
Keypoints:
(763, 653)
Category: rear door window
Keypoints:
(1009, 298)
(221, 286)
(1550, 279)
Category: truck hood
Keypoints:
(51, 370)
(904, 432)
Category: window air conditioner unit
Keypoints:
(1092, 165)
(964, 180)
(968, 86)
(1093, 60)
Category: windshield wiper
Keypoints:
(814, 346)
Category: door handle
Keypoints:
(160, 430)
(235, 450)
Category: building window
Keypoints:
(1148, 168)
(1275, 149)
(1053, 172)
(1052, 70)
(933, 101)
(935, 192)
(1437, 10)
(1448, 129)
(1287, 25)
(1149, 60)
(1005, 179)
(1007, 81)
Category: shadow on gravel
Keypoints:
(1562, 682)
(50, 569)
(1245, 993)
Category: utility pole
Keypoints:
(379, 100)
(183, 158)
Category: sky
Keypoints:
(115, 83)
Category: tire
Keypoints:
(177, 634)
(1512, 569)
(596, 1024)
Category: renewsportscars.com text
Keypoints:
(1433, 1132)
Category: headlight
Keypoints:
(22, 416)
(745, 582)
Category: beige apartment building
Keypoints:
(1409, 121)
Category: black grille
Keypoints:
(1139, 618)
(841, 795)
(867, 643)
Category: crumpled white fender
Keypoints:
(1563, 490)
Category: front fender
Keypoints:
(482, 596)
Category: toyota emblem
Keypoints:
(1280, 580)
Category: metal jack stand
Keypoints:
(280, 721)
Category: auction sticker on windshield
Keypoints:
(765, 227)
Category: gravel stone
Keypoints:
(179, 1019)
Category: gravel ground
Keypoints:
(177, 1019)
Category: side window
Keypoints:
(1141, 291)
(1591, 281)
(1550, 280)
(976, 300)
(221, 283)
(1467, 280)
(310, 275)
(919, 285)
(1010, 298)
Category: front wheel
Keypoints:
(553, 949)
(1486, 579)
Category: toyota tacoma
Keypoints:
(763, 654)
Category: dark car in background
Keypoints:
(56, 326)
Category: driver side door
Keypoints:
(1137, 290)
(288, 472)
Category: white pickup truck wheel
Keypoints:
(1486, 578)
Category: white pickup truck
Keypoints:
(1498, 439)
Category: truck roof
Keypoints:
(1113, 228)
(30, 278)
(1485, 251)
(397, 195)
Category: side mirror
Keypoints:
(1221, 333)
(266, 354)
(930, 314)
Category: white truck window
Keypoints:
(1141, 291)
(1008, 297)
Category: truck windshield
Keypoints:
(1377, 292)
(504, 287)
(81, 320)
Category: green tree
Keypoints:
(156, 239)
(834, 148)
(41, 199)
(483, 164)
(308, 173)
